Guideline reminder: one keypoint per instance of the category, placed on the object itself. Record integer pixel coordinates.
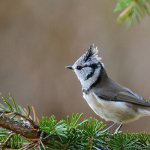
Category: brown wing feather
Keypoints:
(124, 96)
(130, 97)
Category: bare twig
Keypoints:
(22, 116)
(18, 128)
(32, 134)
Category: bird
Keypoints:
(107, 98)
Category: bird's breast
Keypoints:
(110, 110)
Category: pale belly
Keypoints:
(118, 112)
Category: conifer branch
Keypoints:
(16, 127)
(19, 130)
(132, 11)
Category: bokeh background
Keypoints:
(39, 38)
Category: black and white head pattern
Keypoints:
(88, 67)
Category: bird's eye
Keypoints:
(79, 67)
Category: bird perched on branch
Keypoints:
(108, 99)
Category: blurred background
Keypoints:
(39, 38)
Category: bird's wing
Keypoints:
(125, 95)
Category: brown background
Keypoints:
(38, 38)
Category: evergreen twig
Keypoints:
(21, 132)
(132, 11)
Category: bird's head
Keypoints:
(88, 67)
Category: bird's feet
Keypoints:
(108, 128)
(118, 129)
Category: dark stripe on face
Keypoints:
(90, 74)
(101, 72)
(94, 67)
(98, 81)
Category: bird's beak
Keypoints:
(69, 67)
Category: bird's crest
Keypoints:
(91, 52)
